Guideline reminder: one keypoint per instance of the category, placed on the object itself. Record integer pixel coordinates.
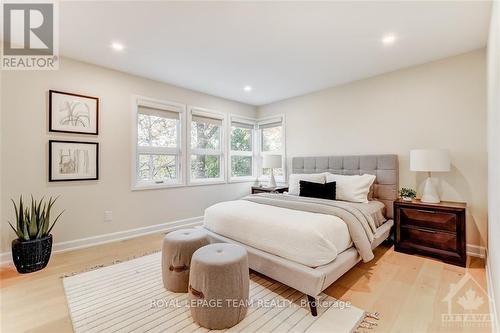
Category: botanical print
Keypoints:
(73, 160)
(73, 113)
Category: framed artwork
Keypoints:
(73, 113)
(73, 160)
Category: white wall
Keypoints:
(24, 138)
(440, 104)
(494, 153)
(2, 223)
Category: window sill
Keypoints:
(167, 186)
(206, 182)
(242, 180)
(155, 186)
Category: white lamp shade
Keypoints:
(429, 160)
(271, 161)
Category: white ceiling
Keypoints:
(281, 49)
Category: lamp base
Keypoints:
(430, 194)
(272, 181)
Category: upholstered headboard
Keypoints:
(385, 167)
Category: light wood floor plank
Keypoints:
(406, 290)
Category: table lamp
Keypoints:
(272, 162)
(430, 160)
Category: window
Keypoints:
(241, 148)
(157, 143)
(172, 147)
(272, 141)
(206, 146)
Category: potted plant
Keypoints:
(31, 250)
(407, 194)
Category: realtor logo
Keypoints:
(29, 35)
(467, 304)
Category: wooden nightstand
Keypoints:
(436, 230)
(264, 189)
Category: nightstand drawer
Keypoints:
(432, 219)
(436, 230)
(429, 238)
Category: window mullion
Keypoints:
(241, 153)
(203, 151)
(158, 150)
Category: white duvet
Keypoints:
(307, 238)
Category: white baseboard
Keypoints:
(476, 251)
(491, 295)
(6, 257)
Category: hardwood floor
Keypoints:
(406, 290)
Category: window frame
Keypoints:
(252, 153)
(264, 121)
(204, 112)
(170, 106)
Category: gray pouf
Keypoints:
(177, 250)
(219, 285)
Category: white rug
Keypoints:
(130, 297)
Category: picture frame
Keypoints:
(73, 113)
(73, 160)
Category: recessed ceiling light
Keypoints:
(388, 39)
(117, 46)
(247, 88)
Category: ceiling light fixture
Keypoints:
(247, 88)
(117, 46)
(388, 39)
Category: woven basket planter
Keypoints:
(33, 255)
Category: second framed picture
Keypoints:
(73, 160)
(73, 113)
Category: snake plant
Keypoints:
(33, 220)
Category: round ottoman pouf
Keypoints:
(219, 285)
(177, 250)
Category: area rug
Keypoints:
(130, 297)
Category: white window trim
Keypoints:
(199, 111)
(169, 106)
(267, 120)
(253, 153)
(184, 150)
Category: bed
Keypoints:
(310, 269)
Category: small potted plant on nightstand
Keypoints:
(407, 194)
(31, 250)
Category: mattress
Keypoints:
(307, 238)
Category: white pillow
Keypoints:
(293, 181)
(352, 188)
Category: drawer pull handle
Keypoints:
(429, 231)
(426, 211)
